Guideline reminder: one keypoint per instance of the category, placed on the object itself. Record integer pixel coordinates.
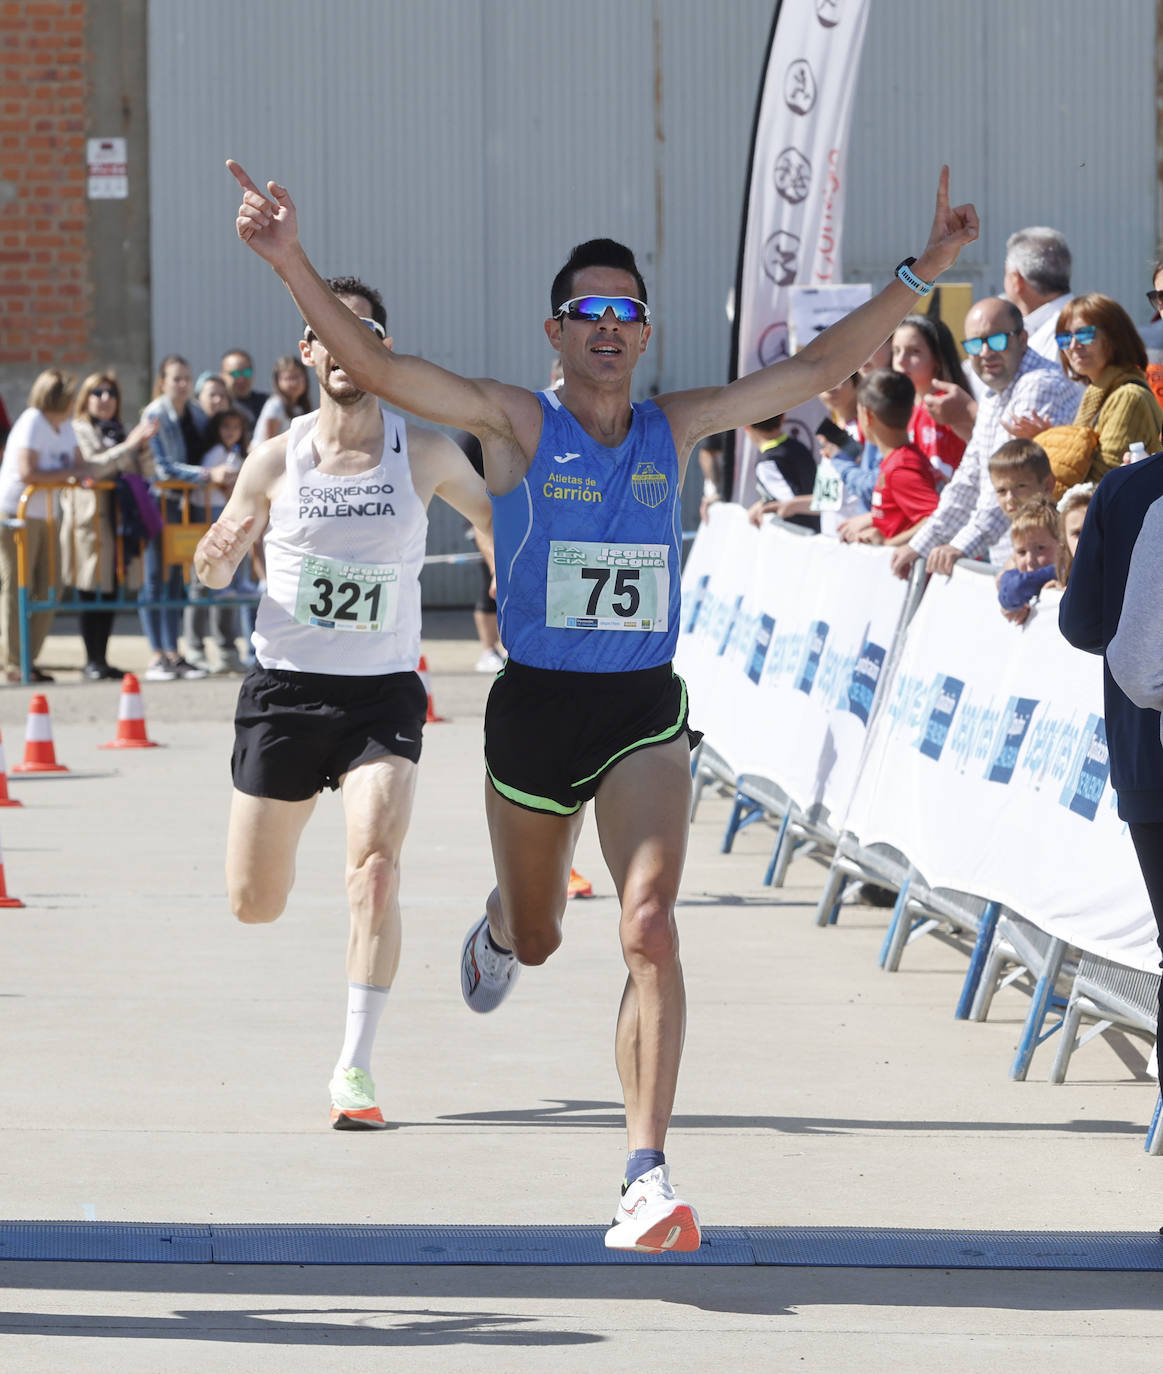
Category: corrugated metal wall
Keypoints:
(1045, 112)
(452, 151)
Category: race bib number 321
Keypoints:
(348, 596)
(595, 586)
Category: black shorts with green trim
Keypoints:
(552, 736)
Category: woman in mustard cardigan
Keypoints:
(1100, 346)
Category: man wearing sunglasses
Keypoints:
(238, 370)
(968, 521)
(585, 488)
(334, 699)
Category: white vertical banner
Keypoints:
(795, 205)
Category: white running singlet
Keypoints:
(343, 558)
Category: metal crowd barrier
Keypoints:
(1006, 948)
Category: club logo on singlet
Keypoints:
(649, 486)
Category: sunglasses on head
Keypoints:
(627, 309)
(242, 371)
(997, 342)
(1083, 335)
(1156, 299)
(374, 325)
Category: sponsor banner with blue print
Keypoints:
(783, 642)
(988, 768)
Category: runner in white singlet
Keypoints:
(334, 698)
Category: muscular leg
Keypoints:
(260, 854)
(377, 802)
(532, 853)
(642, 809)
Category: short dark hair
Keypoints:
(1021, 455)
(769, 426)
(889, 395)
(593, 253)
(352, 286)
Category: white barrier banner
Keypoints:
(988, 768)
(782, 644)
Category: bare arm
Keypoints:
(499, 415)
(441, 469)
(244, 517)
(836, 353)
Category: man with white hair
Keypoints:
(1037, 280)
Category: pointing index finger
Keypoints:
(240, 175)
(942, 190)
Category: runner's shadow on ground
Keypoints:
(559, 1112)
(392, 1306)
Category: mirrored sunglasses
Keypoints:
(242, 371)
(1085, 335)
(627, 309)
(374, 325)
(997, 342)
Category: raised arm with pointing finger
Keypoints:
(507, 419)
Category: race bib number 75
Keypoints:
(348, 596)
(596, 586)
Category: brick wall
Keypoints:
(45, 290)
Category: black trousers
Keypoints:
(1147, 837)
(96, 626)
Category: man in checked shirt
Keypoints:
(968, 521)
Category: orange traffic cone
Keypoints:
(432, 718)
(130, 719)
(5, 799)
(579, 886)
(5, 900)
(39, 755)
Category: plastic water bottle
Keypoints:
(1137, 450)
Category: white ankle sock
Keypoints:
(365, 1005)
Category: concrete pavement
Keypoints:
(165, 1064)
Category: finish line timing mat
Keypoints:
(797, 1246)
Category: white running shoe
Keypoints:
(490, 662)
(353, 1102)
(651, 1219)
(486, 977)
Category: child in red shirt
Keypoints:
(906, 490)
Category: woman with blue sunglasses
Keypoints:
(1099, 345)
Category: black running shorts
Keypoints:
(296, 733)
(551, 736)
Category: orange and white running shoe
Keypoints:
(578, 886)
(353, 1102)
(651, 1219)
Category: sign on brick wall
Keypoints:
(108, 171)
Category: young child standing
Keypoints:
(1037, 558)
(227, 434)
(1072, 508)
(906, 490)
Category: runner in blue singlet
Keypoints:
(584, 496)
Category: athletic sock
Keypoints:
(639, 1162)
(492, 944)
(365, 1005)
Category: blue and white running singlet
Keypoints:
(588, 548)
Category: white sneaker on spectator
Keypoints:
(196, 659)
(160, 672)
(490, 662)
(187, 671)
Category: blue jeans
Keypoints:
(160, 624)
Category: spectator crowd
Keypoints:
(93, 534)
